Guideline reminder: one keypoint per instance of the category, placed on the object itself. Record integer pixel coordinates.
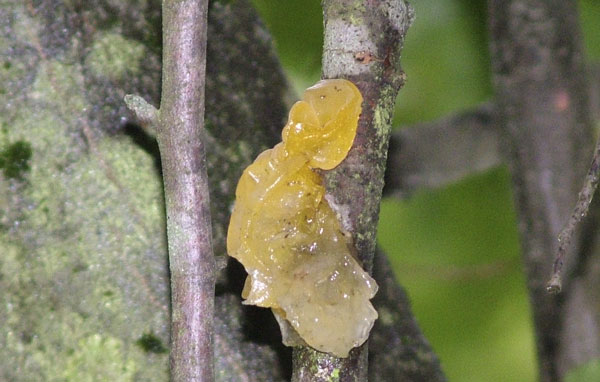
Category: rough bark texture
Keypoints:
(83, 272)
(542, 102)
(362, 43)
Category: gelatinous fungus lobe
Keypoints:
(298, 257)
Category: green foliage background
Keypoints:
(456, 249)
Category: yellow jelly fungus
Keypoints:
(298, 257)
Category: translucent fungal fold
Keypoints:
(298, 257)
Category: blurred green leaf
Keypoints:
(446, 60)
(590, 14)
(297, 30)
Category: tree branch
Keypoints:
(146, 114)
(542, 100)
(354, 31)
(432, 155)
(579, 212)
(181, 141)
(585, 195)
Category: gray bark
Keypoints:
(83, 271)
(542, 99)
(180, 133)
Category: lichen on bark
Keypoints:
(85, 272)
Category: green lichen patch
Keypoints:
(335, 375)
(59, 87)
(386, 316)
(150, 343)
(99, 357)
(93, 357)
(115, 56)
(14, 159)
(88, 250)
(23, 27)
(10, 72)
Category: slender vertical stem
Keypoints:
(180, 137)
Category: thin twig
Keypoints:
(147, 115)
(182, 151)
(179, 128)
(579, 212)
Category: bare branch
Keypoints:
(542, 99)
(180, 137)
(579, 212)
(434, 154)
(431, 155)
(585, 195)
